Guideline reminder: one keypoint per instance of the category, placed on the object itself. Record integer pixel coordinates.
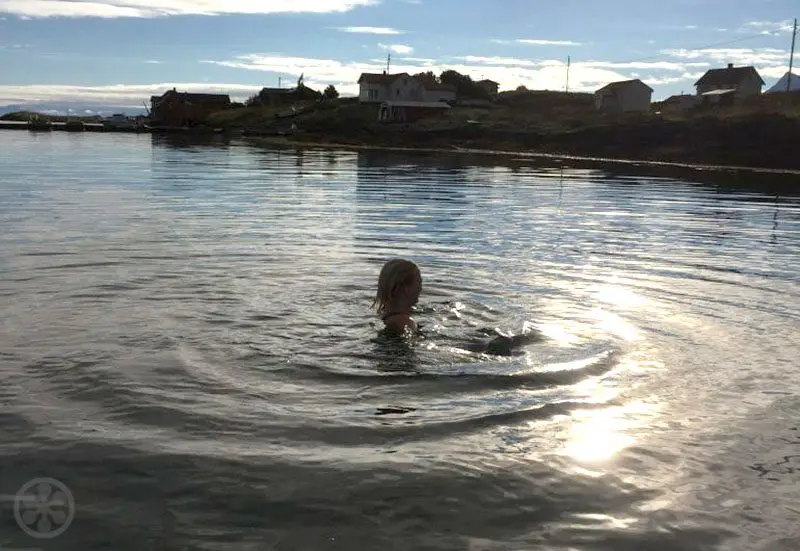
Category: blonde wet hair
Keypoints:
(395, 276)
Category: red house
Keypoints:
(185, 109)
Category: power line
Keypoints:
(715, 45)
(791, 57)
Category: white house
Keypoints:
(740, 82)
(624, 96)
(379, 88)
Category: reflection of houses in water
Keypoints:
(401, 197)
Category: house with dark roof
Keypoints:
(733, 82)
(624, 96)
(679, 104)
(175, 108)
(378, 88)
(491, 87)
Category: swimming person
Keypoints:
(399, 287)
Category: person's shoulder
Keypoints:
(400, 323)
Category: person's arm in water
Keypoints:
(502, 345)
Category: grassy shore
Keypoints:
(761, 133)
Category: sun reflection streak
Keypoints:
(598, 435)
(615, 325)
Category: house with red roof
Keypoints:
(175, 108)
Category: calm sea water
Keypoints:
(187, 349)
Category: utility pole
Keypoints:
(279, 82)
(791, 58)
(569, 62)
(388, 62)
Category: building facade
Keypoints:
(624, 97)
(175, 108)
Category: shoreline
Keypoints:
(524, 154)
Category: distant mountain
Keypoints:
(72, 108)
(780, 86)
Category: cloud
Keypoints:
(536, 42)
(517, 62)
(770, 62)
(162, 8)
(153, 62)
(401, 49)
(539, 42)
(509, 72)
(737, 56)
(125, 95)
(370, 30)
(770, 28)
(420, 60)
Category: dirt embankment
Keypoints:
(763, 141)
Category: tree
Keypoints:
(330, 92)
(427, 78)
(521, 88)
(465, 86)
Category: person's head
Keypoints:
(399, 284)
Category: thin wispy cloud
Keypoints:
(536, 42)
(153, 62)
(768, 28)
(370, 30)
(770, 62)
(126, 95)
(737, 56)
(163, 8)
(509, 72)
(422, 60)
(402, 49)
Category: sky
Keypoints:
(120, 52)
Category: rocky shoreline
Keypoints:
(762, 142)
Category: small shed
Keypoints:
(679, 104)
(410, 111)
(624, 96)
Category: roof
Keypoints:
(379, 78)
(623, 84)
(278, 91)
(487, 81)
(421, 104)
(682, 98)
(729, 77)
(195, 98)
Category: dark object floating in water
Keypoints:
(394, 411)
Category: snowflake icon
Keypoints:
(44, 508)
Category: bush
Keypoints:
(330, 92)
